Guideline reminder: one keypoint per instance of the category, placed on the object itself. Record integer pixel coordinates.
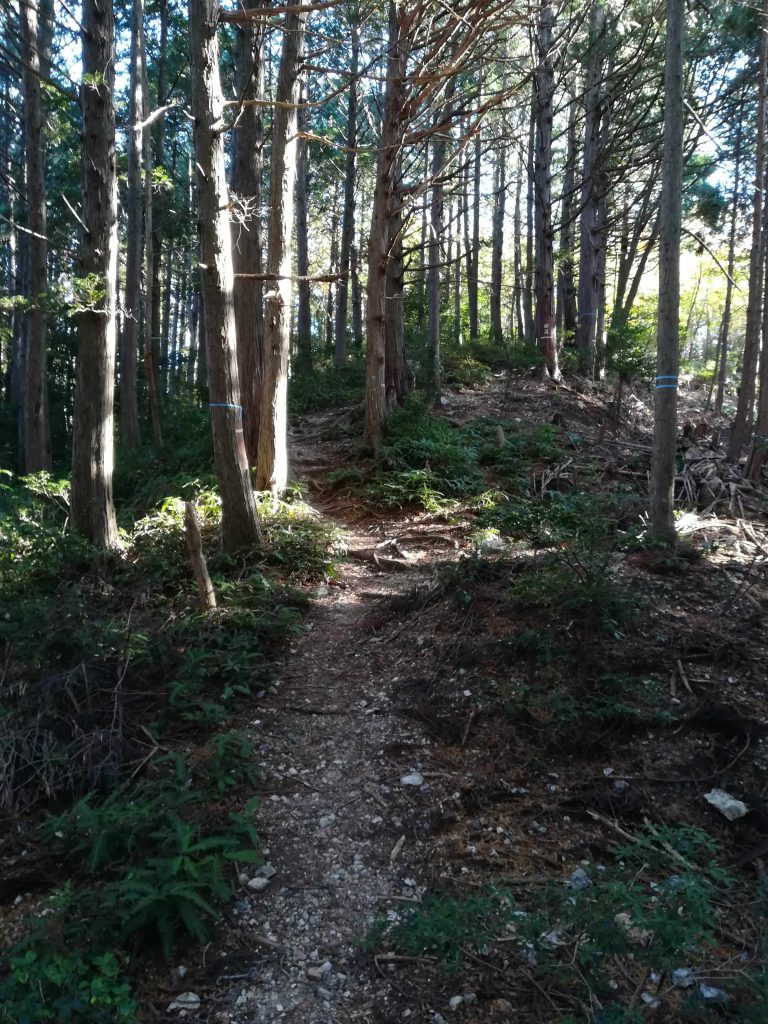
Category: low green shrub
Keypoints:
(326, 387)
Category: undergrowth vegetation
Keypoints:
(657, 905)
(119, 744)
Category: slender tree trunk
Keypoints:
(396, 373)
(529, 211)
(357, 293)
(304, 287)
(151, 296)
(379, 239)
(92, 508)
(246, 178)
(334, 257)
(725, 326)
(434, 255)
(517, 294)
(273, 440)
(194, 334)
(497, 243)
(37, 437)
(240, 524)
(473, 283)
(590, 197)
(129, 341)
(544, 317)
(157, 159)
(348, 222)
(668, 346)
(744, 409)
(566, 287)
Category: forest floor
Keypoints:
(481, 762)
(468, 729)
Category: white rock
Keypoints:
(258, 883)
(728, 805)
(186, 1001)
(455, 1002)
(412, 779)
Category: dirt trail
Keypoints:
(340, 825)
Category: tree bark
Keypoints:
(473, 281)
(151, 295)
(529, 217)
(37, 434)
(434, 252)
(240, 524)
(744, 410)
(379, 240)
(348, 220)
(304, 287)
(590, 198)
(156, 158)
(273, 441)
(668, 346)
(544, 317)
(497, 242)
(725, 325)
(92, 507)
(129, 341)
(247, 142)
(566, 287)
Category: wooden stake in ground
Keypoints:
(196, 556)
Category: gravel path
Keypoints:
(341, 827)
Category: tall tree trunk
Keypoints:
(129, 340)
(744, 410)
(590, 197)
(434, 253)
(37, 438)
(357, 293)
(668, 345)
(544, 317)
(473, 282)
(725, 325)
(396, 373)
(157, 159)
(92, 508)
(273, 440)
(151, 296)
(379, 240)
(240, 524)
(497, 241)
(304, 287)
(348, 221)
(517, 294)
(529, 210)
(333, 261)
(566, 287)
(247, 142)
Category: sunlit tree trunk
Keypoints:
(379, 239)
(246, 178)
(240, 525)
(348, 221)
(273, 440)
